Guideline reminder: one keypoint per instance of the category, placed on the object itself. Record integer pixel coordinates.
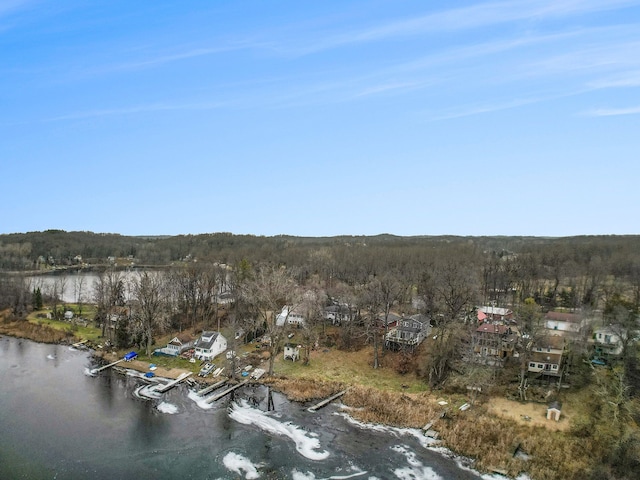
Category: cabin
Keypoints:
(408, 333)
(291, 352)
(209, 345)
(177, 345)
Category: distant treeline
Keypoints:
(23, 251)
(567, 270)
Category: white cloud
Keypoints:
(612, 112)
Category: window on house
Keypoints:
(554, 367)
(540, 365)
(532, 365)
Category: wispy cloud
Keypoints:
(186, 54)
(620, 80)
(470, 110)
(466, 18)
(612, 112)
(137, 109)
(393, 87)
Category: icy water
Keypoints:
(58, 422)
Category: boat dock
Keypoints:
(173, 383)
(96, 370)
(326, 401)
(218, 396)
(211, 388)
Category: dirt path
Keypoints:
(528, 413)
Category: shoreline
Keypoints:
(482, 437)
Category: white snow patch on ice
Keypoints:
(90, 372)
(169, 408)
(307, 444)
(51, 357)
(241, 465)
(297, 475)
(398, 432)
(147, 392)
(200, 401)
(416, 469)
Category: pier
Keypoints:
(326, 401)
(218, 396)
(173, 383)
(96, 370)
(211, 388)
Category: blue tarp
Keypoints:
(130, 356)
(149, 374)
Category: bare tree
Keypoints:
(454, 287)
(109, 295)
(267, 292)
(78, 292)
(150, 316)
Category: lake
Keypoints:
(59, 422)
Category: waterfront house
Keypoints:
(608, 341)
(408, 333)
(547, 355)
(493, 343)
(177, 345)
(210, 345)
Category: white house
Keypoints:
(289, 316)
(177, 345)
(563, 322)
(210, 345)
(607, 341)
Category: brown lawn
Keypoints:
(534, 414)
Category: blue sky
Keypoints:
(320, 118)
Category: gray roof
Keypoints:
(202, 343)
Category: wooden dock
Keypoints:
(211, 388)
(326, 401)
(96, 370)
(218, 396)
(173, 383)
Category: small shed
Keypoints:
(554, 410)
(292, 352)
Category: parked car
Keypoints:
(206, 369)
